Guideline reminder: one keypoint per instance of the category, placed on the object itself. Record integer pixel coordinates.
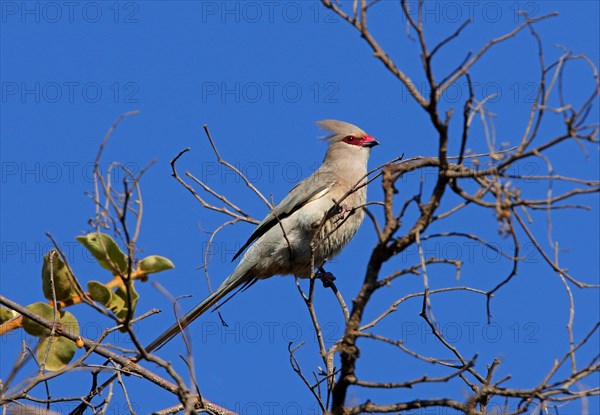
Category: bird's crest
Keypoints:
(338, 129)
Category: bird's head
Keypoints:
(349, 146)
(346, 135)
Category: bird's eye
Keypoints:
(350, 138)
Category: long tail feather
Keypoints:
(192, 315)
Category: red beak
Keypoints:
(369, 141)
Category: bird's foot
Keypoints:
(327, 278)
(342, 212)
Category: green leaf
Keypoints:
(99, 292)
(116, 304)
(115, 301)
(155, 263)
(62, 349)
(122, 294)
(69, 322)
(106, 251)
(60, 354)
(43, 310)
(105, 296)
(55, 268)
(6, 314)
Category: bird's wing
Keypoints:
(303, 193)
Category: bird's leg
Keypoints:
(327, 278)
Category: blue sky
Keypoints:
(260, 74)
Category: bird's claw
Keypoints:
(342, 211)
(327, 278)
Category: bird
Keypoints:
(324, 211)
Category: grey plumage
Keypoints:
(299, 215)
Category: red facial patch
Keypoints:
(364, 141)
